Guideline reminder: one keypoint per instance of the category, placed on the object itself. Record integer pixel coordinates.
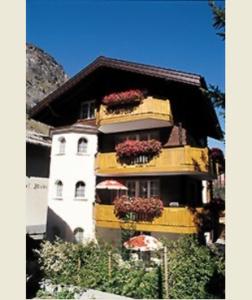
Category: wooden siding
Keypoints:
(149, 108)
(170, 160)
(173, 220)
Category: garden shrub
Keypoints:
(192, 269)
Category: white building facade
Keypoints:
(72, 181)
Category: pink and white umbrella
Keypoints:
(143, 243)
(111, 184)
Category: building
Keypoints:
(38, 148)
(143, 126)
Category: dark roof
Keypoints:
(167, 74)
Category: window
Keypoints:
(87, 110)
(62, 145)
(78, 234)
(144, 135)
(131, 185)
(143, 188)
(59, 188)
(80, 189)
(82, 145)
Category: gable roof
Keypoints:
(102, 61)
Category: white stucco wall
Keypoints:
(70, 168)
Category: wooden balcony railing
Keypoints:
(171, 160)
(173, 220)
(150, 108)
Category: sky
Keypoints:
(170, 34)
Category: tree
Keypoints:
(214, 93)
(218, 18)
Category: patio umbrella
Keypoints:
(111, 185)
(143, 243)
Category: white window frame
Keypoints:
(85, 148)
(61, 145)
(59, 189)
(88, 103)
(76, 191)
(79, 234)
(137, 186)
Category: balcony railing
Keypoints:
(181, 160)
(115, 120)
(173, 220)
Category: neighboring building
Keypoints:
(173, 111)
(38, 147)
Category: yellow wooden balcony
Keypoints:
(173, 220)
(180, 160)
(151, 113)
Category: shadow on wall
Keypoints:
(56, 226)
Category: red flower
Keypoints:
(127, 97)
(133, 148)
(145, 209)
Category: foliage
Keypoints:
(218, 18)
(219, 192)
(58, 291)
(144, 209)
(86, 266)
(194, 271)
(217, 97)
(208, 218)
(214, 93)
(122, 98)
(135, 281)
(192, 268)
(69, 263)
(133, 148)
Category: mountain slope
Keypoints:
(43, 75)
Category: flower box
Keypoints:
(138, 151)
(137, 208)
(123, 98)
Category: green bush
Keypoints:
(86, 266)
(134, 281)
(193, 270)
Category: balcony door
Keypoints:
(144, 188)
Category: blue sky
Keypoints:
(171, 34)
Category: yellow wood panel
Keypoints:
(177, 220)
(147, 227)
(149, 108)
(181, 159)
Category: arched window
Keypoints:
(59, 188)
(62, 145)
(82, 145)
(78, 234)
(80, 189)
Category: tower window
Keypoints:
(82, 145)
(62, 145)
(80, 189)
(59, 188)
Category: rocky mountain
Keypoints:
(43, 75)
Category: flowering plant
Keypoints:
(133, 148)
(144, 209)
(218, 157)
(127, 97)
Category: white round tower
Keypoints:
(71, 192)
